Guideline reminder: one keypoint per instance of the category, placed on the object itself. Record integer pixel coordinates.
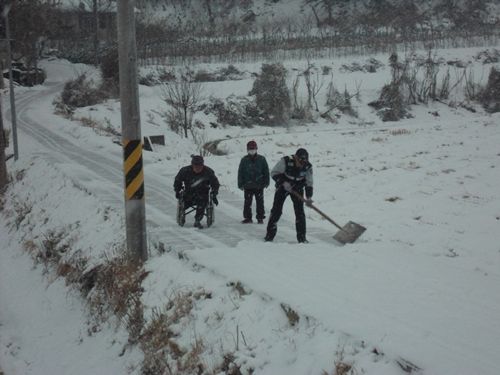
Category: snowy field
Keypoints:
(417, 292)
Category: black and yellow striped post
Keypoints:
(134, 175)
(135, 206)
(134, 198)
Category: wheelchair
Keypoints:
(183, 209)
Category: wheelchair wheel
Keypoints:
(181, 214)
(210, 214)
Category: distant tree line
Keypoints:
(329, 27)
(282, 47)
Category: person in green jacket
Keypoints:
(253, 177)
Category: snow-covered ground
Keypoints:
(420, 286)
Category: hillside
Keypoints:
(344, 16)
(417, 293)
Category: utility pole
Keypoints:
(95, 37)
(3, 164)
(13, 115)
(135, 208)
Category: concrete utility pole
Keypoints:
(135, 208)
(3, 164)
(13, 115)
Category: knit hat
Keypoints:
(197, 160)
(302, 154)
(252, 145)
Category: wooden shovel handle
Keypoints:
(317, 210)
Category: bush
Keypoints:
(156, 77)
(340, 101)
(271, 94)
(490, 98)
(77, 93)
(390, 105)
(231, 73)
(175, 120)
(148, 80)
(413, 81)
(234, 111)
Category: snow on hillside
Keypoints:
(418, 290)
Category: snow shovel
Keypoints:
(347, 234)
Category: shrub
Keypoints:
(231, 73)
(165, 75)
(156, 77)
(204, 76)
(490, 98)
(326, 70)
(340, 101)
(233, 111)
(148, 80)
(175, 120)
(390, 105)
(77, 93)
(183, 97)
(271, 94)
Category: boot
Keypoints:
(301, 238)
(197, 224)
(246, 221)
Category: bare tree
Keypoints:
(97, 7)
(314, 83)
(31, 21)
(184, 96)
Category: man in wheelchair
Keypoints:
(196, 187)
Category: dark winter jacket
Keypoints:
(196, 183)
(253, 172)
(298, 177)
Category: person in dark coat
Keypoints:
(253, 177)
(193, 184)
(291, 173)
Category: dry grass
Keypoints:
(155, 343)
(238, 288)
(21, 209)
(98, 127)
(116, 283)
(399, 132)
(293, 317)
(113, 288)
(31, 247)
(50, 250)
(228, 365)
(341, 366)
(162, 354)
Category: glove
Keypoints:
(178, 194)
(214, 199)
(308, 202)
(287, 186)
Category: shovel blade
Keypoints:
(349, 233)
